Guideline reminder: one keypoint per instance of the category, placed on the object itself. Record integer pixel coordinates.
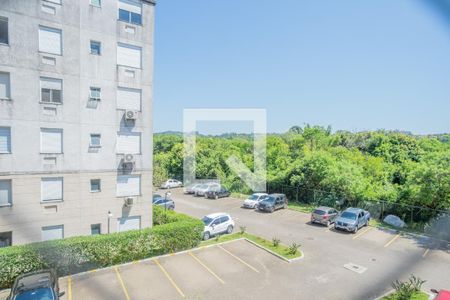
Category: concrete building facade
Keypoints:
(75, 118)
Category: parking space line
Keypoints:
(425, 253)
(170, 279)
(69, 288)
(362, 232)
(206, 267)
(251, 267)
(392, 240)
(122, 284)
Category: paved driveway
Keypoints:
(381, 255)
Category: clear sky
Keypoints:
(355, 65)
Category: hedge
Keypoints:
(171, 232)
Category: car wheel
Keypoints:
(206, 236)
(216, 197)
(230, 229)
(171, 207)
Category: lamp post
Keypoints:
(110, 215)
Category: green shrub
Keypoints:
(68, 256)
(275, 242)
(293, 248)
(405, 290)
(242, 229)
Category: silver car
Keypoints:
(201, 190)
(324, 215)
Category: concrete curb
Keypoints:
(275, 254)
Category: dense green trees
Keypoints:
(311, 162)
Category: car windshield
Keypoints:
(37, 294)
(203, 186)
(253, 197)
(348, 215)
(269, 199)
(319, 212)
(206, 220)
(156, 196)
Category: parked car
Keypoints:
(171, 183)
(352, 219)
(441, 295)
(157, 196)
(273, 202)
(253, 200)
(201, 190)
(191, 189)
(217, 223)
(36, 285)
(166, 203)
(324, 215)
(216, 193)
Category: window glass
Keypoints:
(95, 185)
(96, 3)
(5, 239)
(124, 15)
(95, 229)
(5, 90)
(95, 48)
(5, 193)
(51, 90)
(136, 18)
(5, 140)
(4, 30)
(52, 232)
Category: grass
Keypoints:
(239, 196)
(281, 249)
(301, 207)
(416, 296)
(379, 223)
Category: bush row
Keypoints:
(172, 232)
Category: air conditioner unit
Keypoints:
(128, 158)
(131, 115)
(129, 201)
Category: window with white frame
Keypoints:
(130, 11)
(52, 189)
(5, 140)
(95, 93)
(128, 185)
(49, 233)
(51, 90)
(4, 35)
(97, 3)
(129, 55)
(95, 185)
(50, 40)
(51, 140)
(129, 99)
(5, 193)
(128, 143)
(5, 86)
(96, 47)
(95, 140)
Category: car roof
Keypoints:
(215, 215)
(276, 195)
(259, 194)
(353, 209)
(323, 208)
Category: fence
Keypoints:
(417, 218)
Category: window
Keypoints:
(130, 11)
(51, 90)
(5, 239)
(128, 185)
(50, 40)
(97, 3)
(5, 91)
(51, 140)
(96, 229)
(129, 223)
(5, 140)
(128, 143)
(95, 185)
(4, 38)
(52, 189)
(49, 233)
(128, 98)
(96, 47)
(5, 193)
(95, 141)
(95, 94)
(129, 55)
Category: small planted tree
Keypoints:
(405, 290)
(242, 229)
(293, 248)
(275, 242)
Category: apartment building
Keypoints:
(75, 118)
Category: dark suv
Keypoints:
(273, 202)
(36, 285)
(217, 193)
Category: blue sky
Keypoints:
(355, 65)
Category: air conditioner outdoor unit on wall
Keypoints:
(128, 158)
(131, 114)
(129, 201)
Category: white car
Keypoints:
(253, 200)
(217, 223)
(201, 190)
(171, 183)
